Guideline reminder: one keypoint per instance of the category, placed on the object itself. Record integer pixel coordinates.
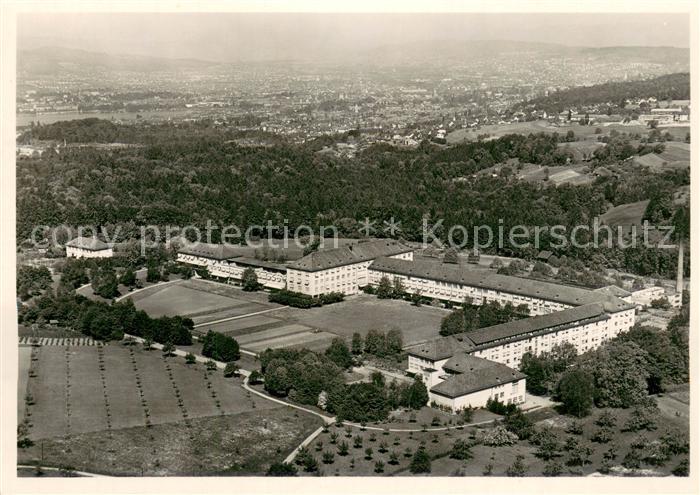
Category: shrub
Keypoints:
(220, 347)
(304, 301)
(461, 450)
(328, 457)
(231, 369)
(497, 436)
(517, 468)
(281, 469)
(516, 422)
(682, 469)
(255, 377)
(420, 462)
(632, 460)
(607, 419)
(498, 407)
(602, 435)
(642, 418)
(190, 359)
(552, 468)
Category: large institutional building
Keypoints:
(345, 269)
(584, 318)
(221, 261)
(465, 369)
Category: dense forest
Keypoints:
(669, 87)
(178, 180)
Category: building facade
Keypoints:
(222, 262)
(562, 314)
(344, 269)
(88, 247)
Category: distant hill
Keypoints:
(447, 50)
(48, 60)
(671, 86)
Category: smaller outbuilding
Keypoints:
(88, 247)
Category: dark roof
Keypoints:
(440, 348)
(464, 363)
(444, 347)
(256, 263)
(356, 253)
(515, 328)
(574, 296)
(206, 250)
(614, 290)
(89, 243)
(478, 374)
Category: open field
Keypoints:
(288, 327)
(533, 127)
(177, 299)
(364, 312)
(625, 215)
(233, 444)
(73, 395)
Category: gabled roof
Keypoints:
(206, 250)
(89, 243)
(478, 374)
(347, 255)
(614, 290)
(256, 263)
(574, 296)
(445, 347)
(515, 328)
(441, 348)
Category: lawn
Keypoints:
(627, 214)
(234, 444)
(177, 299)
(91, 388)
(363, 312)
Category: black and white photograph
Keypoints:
(355, 243)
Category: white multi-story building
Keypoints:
(343, 269)
(584, 318)
(586, 327)
(88, 247)
(221, 261)
(454, 283)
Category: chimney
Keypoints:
(679, 276)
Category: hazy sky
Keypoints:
(232, 37)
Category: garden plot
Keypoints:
(84, 389)
(272, 333)
(242, 326)
(299, 340)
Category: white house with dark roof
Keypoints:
(88, 247)
(343, 269)
(469, 381)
